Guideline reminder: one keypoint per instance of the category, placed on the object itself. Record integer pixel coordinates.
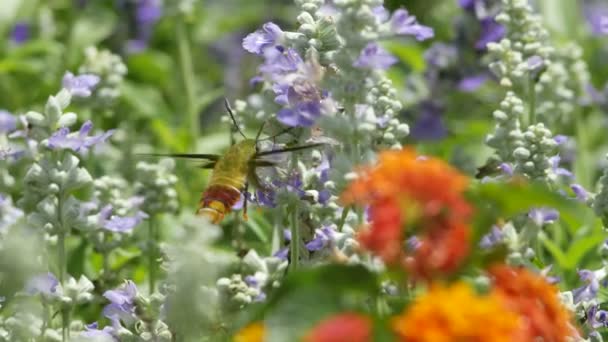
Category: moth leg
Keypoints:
(245, 200)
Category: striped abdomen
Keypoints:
(217, 201)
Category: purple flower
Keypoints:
(468, 5)
(77, 142)
(441, 55)
(491, 31)
(589, 290)
(122, 302)
(413, 243)
(542, 216)
(105, 334)
(581, 194)
(535, 62)
(20, 33)
(550, 279)
(403, 23)
(259, 40)
(560, 139)
(147, 13)
(374, 57)
(119, 224)
(596, 319)
(282, 253)
(81, 85)
(596, 15)
(471, 83)
(301, 114)
(560, 171)
(506, 168)
(429, 125)
(278, 62)
(491, 239)
(8, 122)
(322, 238)
(381, 13)
(45, 284)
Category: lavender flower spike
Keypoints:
(8, 122)
(81, 85)
(259, 40)
(374, 57)
(404, 23)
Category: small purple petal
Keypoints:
(20, 33)
(491, 239)
(45, 284)
(381, 13)
(581, 194)
(374, 57)
(560, 139)
(430, 125)
(403, 23)
(259, 40)
(8, 122)
(81, 85)
(472, 83)
(78, 142)
(491, 31)
(282, 253)
(506, 168)
(543, 215)
(535, 62)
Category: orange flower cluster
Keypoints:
(253, 332)
(345, 327)
(457, 313)
(408, 193)
(534, 298)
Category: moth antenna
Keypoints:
(276, 135)
(238, 128)
(257, 136)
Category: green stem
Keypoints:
(61, 259)
(295, 239)
(187, 71)
(345, 212)
(532, 99)
(152, 246)
(582, 165)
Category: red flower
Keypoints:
(345, 327)
(413, 196)
(536, 301)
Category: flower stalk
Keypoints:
(187, 70)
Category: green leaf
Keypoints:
(145, 100)
(555, 251)
(410, 54)
(150, 67)
(258, 229)
(89, 30)
(313, 294)
(580, 248)
(77, 259)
